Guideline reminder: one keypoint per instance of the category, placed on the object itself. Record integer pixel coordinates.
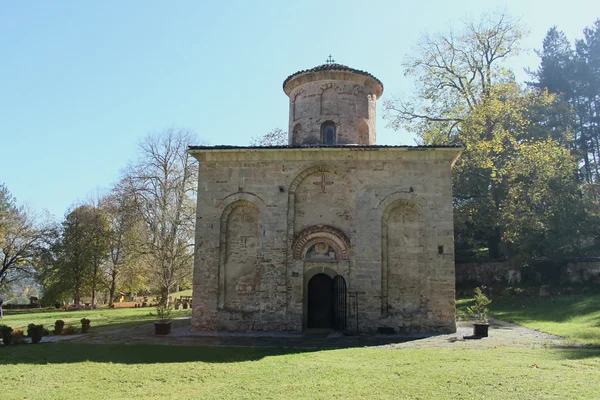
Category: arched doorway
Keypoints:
(326, 305)
(320, 302)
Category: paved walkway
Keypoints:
(501, 334)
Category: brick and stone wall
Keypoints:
(345, 98)
(385, 216)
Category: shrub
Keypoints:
(58, 326)
(6, 334)
(163, 312)
(69, 330)
(480, 308)
(18, 334)
(35, 332)
(85, 325)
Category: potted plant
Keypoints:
(163, 325)
(85, 325)
(480, 311)
(6, 334)
(35, 332)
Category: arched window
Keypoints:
(328, 134)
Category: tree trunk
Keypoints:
(113, 288)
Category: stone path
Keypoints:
(502, 334)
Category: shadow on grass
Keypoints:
(69, 353)
(555, 309)
(579, 353)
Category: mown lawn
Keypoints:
(575, 317)
(69, 371)
(101, 319)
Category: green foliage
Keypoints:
(515, 187)
(59, 326)
(480, 305)
(6, 334)
(22, 239)
(85, 325)
(163, 312)
(35, 332)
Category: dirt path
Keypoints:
(501, 334)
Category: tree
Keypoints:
(575, 76)
(162, 184)
(466, 96)
(22, 239)
(275, 137)
(81, 252)
(455, 72)
(124, 242)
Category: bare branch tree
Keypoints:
(162, 184)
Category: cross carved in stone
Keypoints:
(323, 183)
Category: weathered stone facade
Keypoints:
(276, 225)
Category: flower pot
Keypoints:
(480, 329)
(162, 328)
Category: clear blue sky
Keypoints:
(81, 82)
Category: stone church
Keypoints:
(331, 231)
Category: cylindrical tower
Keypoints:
(332, 104)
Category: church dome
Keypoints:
(332, 104)
(294, 80)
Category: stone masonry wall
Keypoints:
(387, 214)
(349, 105)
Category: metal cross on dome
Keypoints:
(330, 60)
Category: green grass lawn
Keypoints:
(575, 317)
(176, 295)
(66, 371)
(101, 319)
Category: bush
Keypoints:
(480, 308)
(163, 312)
(6, 334)
(58, 326)
(35, 332)
(18, 334)
(69, 330)
(85, 325)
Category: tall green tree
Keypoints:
(22, 239)
(82, 250)
(466, 96)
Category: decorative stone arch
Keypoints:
(407, 206)
(328, 85)
(234, 205)
(358, 90)
(228, 200)
(308, 237)
(318, 168)
(295, 97)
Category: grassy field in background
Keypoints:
(575, 317)
(101, 319)
(74, 371)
